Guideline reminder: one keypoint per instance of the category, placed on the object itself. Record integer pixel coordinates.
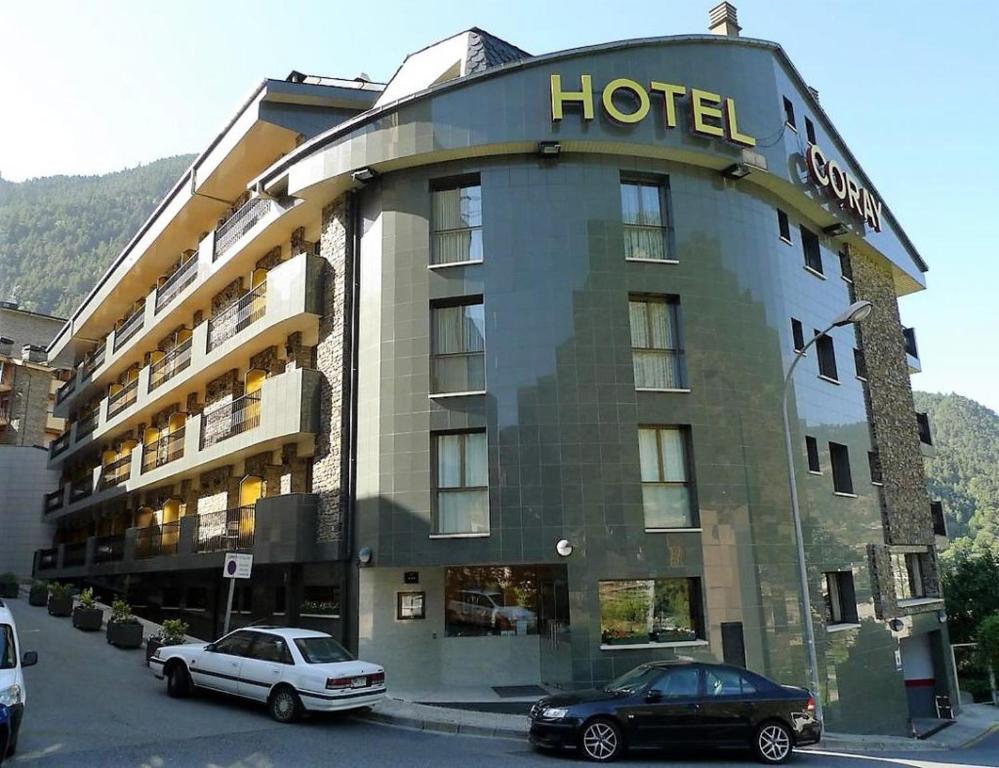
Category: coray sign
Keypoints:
(828, 174)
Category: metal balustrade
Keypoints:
(117, 472)
(163, 450)
(156, 540)
(60, 444)
(109, 549)
(237, 225)
(55, 500)
(175, 361)
(93, 361)
(184, 275)
(81, 488)
(65, 390)
(86, 424)
(225, 531)
(123, 398)
(228, 419)
(129, 328)
(244, 311)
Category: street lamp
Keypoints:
(856, 312)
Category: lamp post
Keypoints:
(853, 314)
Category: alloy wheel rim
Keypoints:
(600, 741)
(774, 742)
(283, 704)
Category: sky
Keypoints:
(911, 86)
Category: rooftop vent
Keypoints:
(33, 353)
(723, 19)
(295, 77)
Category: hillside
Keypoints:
(964, 474)
(58, 234)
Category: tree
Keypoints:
(988, 648)
(970, 590)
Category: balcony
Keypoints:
(86, 423)
(175, 361)
(157, 540)
(74, 554)
(174, 285)
(117, 472)
(242, 313)
(228, 419)
(129, 328)
(911, 350)
(47, 559)
(251, 213)
(93, 361)
(925, 437)
(163, 450)
(230, 530)
(61, 443)
(109, 549)
(55, 500)
(65, 390)
(123, 398)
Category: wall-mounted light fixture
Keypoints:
(549, 149)
(836, 230)
(364, 556)
(942, 616)
(563, 547)
(364, 175)
(896, 625)
(736, 171)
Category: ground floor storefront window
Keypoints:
(491, 600)
(650, 611)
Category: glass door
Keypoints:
(554, 630)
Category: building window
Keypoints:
(783, 226)
(939, 521)
(643, 212)
(321, 600)
(909, 570)
(874, 461)
(491, 600)
(666, 487)
(650, 611)
(812, 448)
(458, 348)
(812, 251)
(657, 343)
(860, 364)
(845, 268)
(797, 334)
(810, 131)
(457, 222)
(789, 113)
(839, 457)
(840, 598)
(827, 357)
(462, 488)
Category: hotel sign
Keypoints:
(828, 175)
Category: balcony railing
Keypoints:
(65, 390)
(228, 419)
(129, 328)
(163, 450)
(244, 311)
(117, 472)
(939, 521)
(237, 225)
(156, 540)
(60, 444)
(48, 559)
(177, 282)
(109, 549)
(74, 554)
(123, 398)
(923, 424)
(86, 424)
(81, 488)
(172, 363)
(93, 361)
(225, 531)
(54, 500)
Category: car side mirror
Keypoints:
(653, 695)
(210, 648)
(30, 659)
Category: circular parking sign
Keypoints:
(230, 567)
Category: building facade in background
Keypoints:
(484, 367)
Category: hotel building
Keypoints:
(484, 367)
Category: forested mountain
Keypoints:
(964, 474)
(58, 234)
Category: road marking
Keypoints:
(907, 761)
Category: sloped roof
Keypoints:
(486, 51)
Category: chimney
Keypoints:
(33, 353)
(723, 19)
(6, 346)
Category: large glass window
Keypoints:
(462, 483)
(491, 600)
(650, 611)
(657, 342)
(457, 223)
(458, 348)
(642, 211)
(666, 486)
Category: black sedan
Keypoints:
(677, 704)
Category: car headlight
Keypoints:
(10, 696)
(554, 713)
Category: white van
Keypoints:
(12, 693)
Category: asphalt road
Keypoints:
(90, 704)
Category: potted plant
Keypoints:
(172, 632)
(9, 586)
(60, 599)
(124, 630)
(39, 594)
(87, 616)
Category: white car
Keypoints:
(487, 609)
(12, 691)
(292, 670)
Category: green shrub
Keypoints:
(87, 598)
(8, 578)
(173, 632)
(60, 591)
(987, 636)
(121, 613)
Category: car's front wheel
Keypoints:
(601, 741)
(178, 681)
(773, 743)
(284, 705)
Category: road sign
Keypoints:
(237, 566)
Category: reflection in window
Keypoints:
(321, 600)
(462, 483)
(680, 683)
(458, 349)
(666, 496)
(644, 221)
(725, 681)
(491, 600)
(457, 224)
(644, 611)
(656, 343)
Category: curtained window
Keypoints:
(666, 486)
(656, 343)
(457, 224)
(644, 220)
(462, 483)
(458, 349)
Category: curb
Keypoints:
(442, 726)
(975, 740)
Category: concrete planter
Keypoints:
(60, 606)
(10, 590)
(123, 634)
(88, 619)
(38, 595)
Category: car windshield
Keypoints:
(8, 653)
(322, 650)
(635, 679)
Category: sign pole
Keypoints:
(228, 607)
(236, 566)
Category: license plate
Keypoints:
(359, 682)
